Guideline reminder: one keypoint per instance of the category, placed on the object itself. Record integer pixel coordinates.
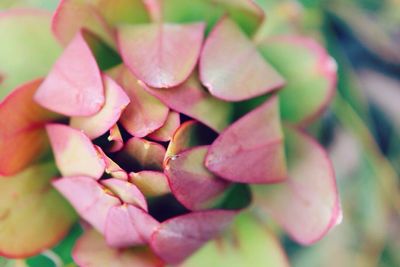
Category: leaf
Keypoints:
(16, 30)
(307, 205)
(179, 237)
(22, 135)
(115, 102)
(231, 67)
(74, 152)
(165, 133)
(251, 150)
(310, 74)
(150, 183)
(74, 86)
(191, 183)
(161, 55)
(29, 197)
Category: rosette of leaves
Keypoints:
(166, 120)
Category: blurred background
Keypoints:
(361, 130)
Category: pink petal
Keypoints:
(88, 197)
(307, 205)
(74, 152)
(251, 150)
(177, 238)
(231, 67)
(126, 191)
(111, 167)
(150, 183)
(145, 113)
(191, 99)
(191, 183)
(98, 124)
(74, 86)
(164, 134)
(161, 55)
(91, 250)
(22, 135)
(115, 137)
(144, 223)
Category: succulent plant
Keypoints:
(166, 121)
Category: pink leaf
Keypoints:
(74, 86)
(164, 134)
(98, 124)
(150, 183)
(231, 67)
(191, 183)
(251, 149)
(307, 204)
(74, 152)
(115, 137)
(111, 167)
(88, 197)
(161, 55)
(179, 237)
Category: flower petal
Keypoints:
(74, 152)
(310, 74)
(177, 238)
(145, 113)
(307, 205)
(17, 27)
(74, 86)
(115, 138)
(165, 133)
(111, 167)
(98, 124)
(191, 183)
(34, 217)
(91, 250)
(231, 67)
(88, 197)
(251, 150)
(191, 99)
(161, 55)
(22, 135)
(150, 183)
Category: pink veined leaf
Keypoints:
(161, 55)
(307, 204)
(115, 102)
(150, 183)
(191, 99)
(91, 250)
(111, 167)
(231, 67)
(179, 237)
(22, 134)
(251, 150)
(74, 86)
(115, 137)
(191, 183)
(145, 113)
(74, 152)
(126, 192)
(165, 133)
(88, 197)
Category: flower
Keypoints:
(166, 120)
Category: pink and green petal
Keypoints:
(145, 113)
(74, 86)
(126, 192)
(251, 150)
(91, 250)
(111, 167)
(74, 152)
(165, 133)
(307, 204)
(310, 74)
(115, 139)
(17, 26)
(191, 183)
(177, 238)
(231, 67)
(22, 135)
(115, 102)
(161, 55)
(191, 99)
(150, 183)
(91, 200)
(34, 217)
